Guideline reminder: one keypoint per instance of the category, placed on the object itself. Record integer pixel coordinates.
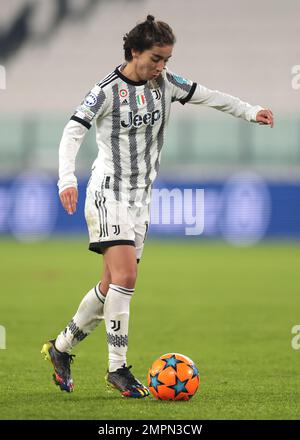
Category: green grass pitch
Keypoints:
(230, 309)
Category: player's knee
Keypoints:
(125, 279)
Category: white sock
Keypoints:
(87, 318)
(116, 312)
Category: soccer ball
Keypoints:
(173, 376)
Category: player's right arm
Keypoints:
(72, 138)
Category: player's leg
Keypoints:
(105, 279)
(121, 261)
(89, 313)
(122, 264)
(87, 317)
(58, 351)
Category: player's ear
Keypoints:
(135, 53)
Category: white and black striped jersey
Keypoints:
(131, 118)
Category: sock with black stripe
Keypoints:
(87, 318)
(116, 313)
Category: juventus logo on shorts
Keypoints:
(116, 229)
(157, 94)
(116, 325)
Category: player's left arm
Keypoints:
(232, 105)
(185, 90)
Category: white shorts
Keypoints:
(111, 222)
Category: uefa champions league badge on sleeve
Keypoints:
(180, 79)
(90, 100)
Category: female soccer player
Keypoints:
(131, 108)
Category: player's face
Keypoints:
(150, 63)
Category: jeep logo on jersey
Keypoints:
(139, 120)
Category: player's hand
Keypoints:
(69, 198)
(265, 117)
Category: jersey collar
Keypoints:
(127, 80)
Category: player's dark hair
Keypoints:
(146, 35)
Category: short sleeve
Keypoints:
(91, 107)
(182, 89)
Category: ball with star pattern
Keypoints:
(173, 376)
